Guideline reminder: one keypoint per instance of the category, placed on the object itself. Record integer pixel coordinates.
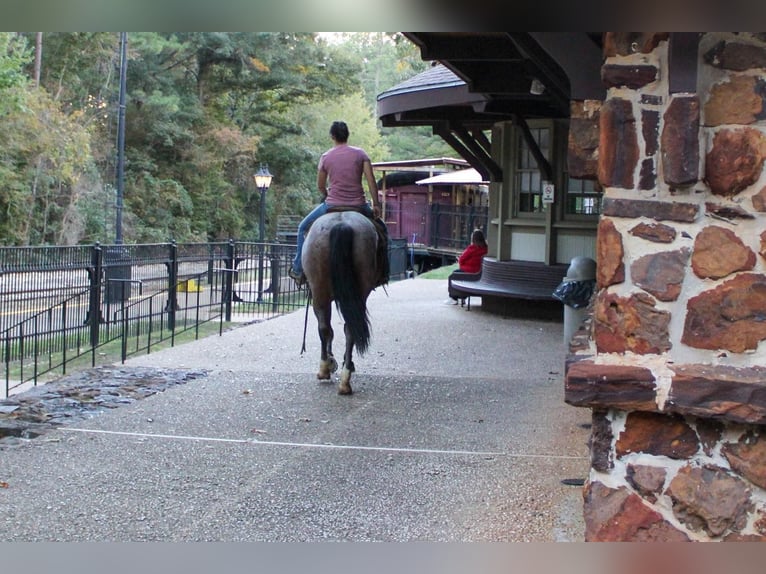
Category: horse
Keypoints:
(339, 262)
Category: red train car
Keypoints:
(434, 205)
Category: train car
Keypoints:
(433, 204)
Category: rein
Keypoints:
(306, 320)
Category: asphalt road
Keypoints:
(457, 431)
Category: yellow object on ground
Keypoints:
(190, 286)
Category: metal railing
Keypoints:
(436, 226)
(63, 308)
(452, 225)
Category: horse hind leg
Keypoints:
(344, 386)
(327, 363)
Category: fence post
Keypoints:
(172, 285)
(276, 278)
(228, 292)
(210, 264)
(93, 318)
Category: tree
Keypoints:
(313, 139)
(204, 110)
(44, 154)
(388, 59)
(207, 108)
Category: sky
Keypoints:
(206, 15)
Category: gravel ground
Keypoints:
(457, 431)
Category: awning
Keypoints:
(483, 78)
(456, 177)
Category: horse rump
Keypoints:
(346, 287)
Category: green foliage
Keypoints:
(388, 59)
(14, 55)
(43, 154)
(204, 110)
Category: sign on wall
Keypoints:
(548, 192)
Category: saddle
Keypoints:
(381, 257)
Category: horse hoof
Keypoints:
(344, 387)
(326, 368)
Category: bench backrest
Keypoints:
(533, 273)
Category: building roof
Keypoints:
(436, 163)
(482, 78)
(458, 177)
(437, 76)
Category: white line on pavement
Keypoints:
(314, 445)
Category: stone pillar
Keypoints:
(672, 360)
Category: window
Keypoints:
(583, 197)
(529, 181)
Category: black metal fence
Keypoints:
(452, 225)
(64, 307)
(437, 226)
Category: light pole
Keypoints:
(262, 182)
(121, 136)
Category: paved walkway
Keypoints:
(456, 431)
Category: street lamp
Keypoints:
(262, 182)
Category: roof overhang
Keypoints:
(487, 77)
(458, 177)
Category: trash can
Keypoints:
(575, 292)
(397, 257)
(117, 273)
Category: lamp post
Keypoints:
(262, 182)
(121, 136)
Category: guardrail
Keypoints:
(63, 308)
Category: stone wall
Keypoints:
(671, 359)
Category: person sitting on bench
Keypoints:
(343, 165)
(470, 260)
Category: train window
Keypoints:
(583, 197)
(529, 181)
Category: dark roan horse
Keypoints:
(339, 261)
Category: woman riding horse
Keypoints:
(343, 165)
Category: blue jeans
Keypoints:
(304, 225)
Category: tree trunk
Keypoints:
(38, 57)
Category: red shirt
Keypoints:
(470, 260)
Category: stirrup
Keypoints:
(299, 278)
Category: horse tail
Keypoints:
(348, 296)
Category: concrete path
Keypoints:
(457, 431)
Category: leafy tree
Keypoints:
(388, 59)
(14, 55)
(44, 153)
(314, 139)
(204, 110)
(207, 108)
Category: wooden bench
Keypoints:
(527, 280)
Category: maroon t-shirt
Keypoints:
(344, 165)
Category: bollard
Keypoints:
(575, 292)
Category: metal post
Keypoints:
(172, 303)
(93, 318)
(261, 247)
(262, 181)
(121, 135)
(229, 289)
